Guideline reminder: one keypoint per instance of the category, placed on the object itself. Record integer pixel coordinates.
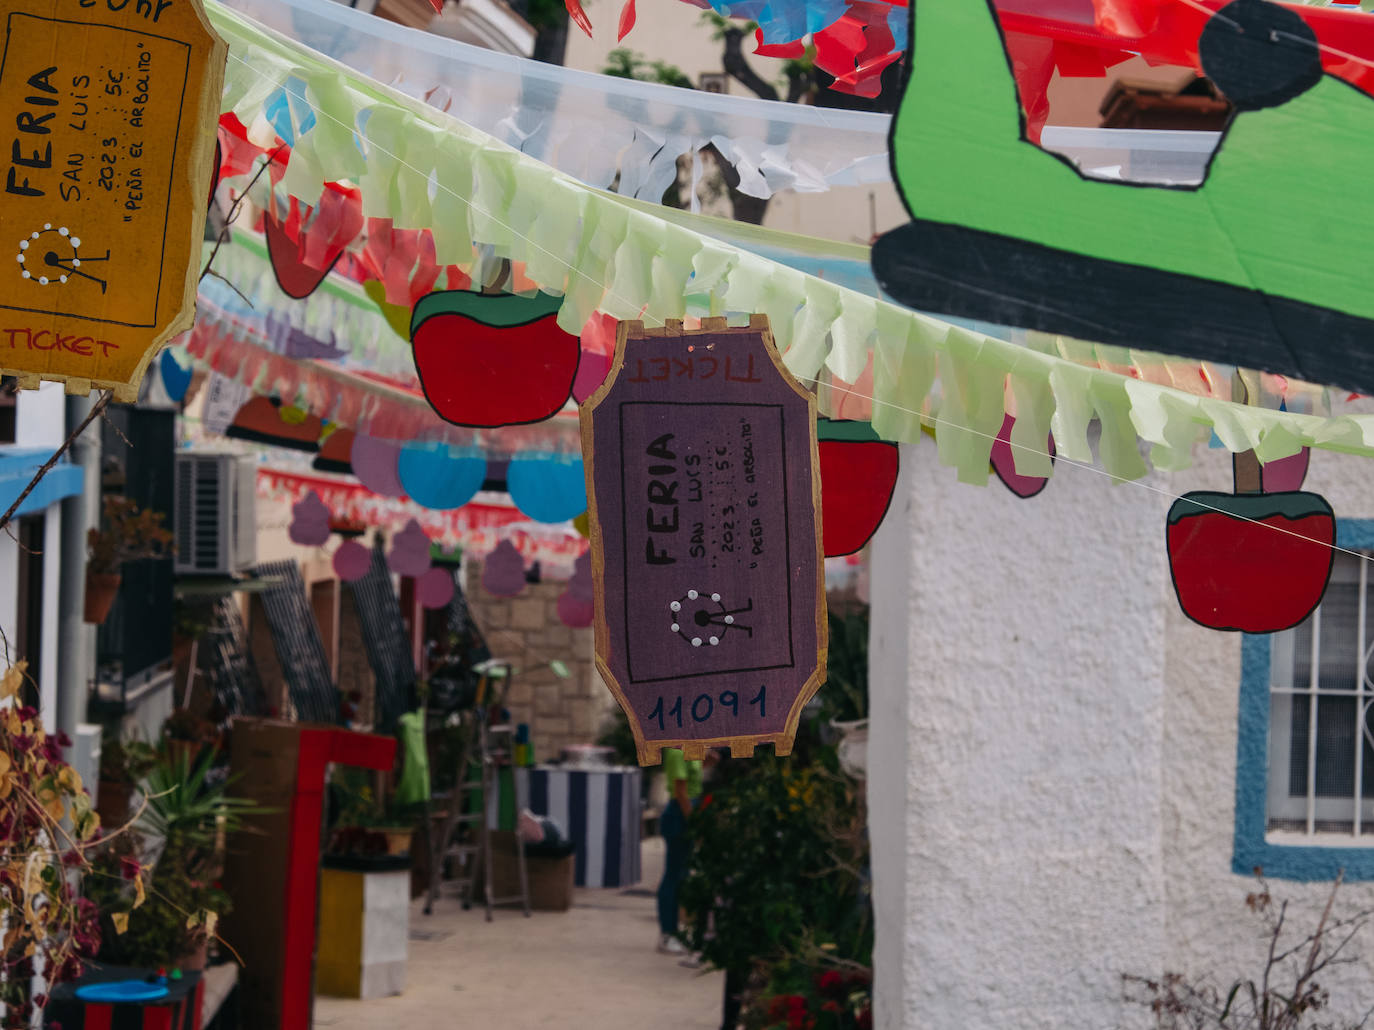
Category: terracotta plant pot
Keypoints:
(853, 747)
(194, 961)
(101, 590)
(113, 800)
(398, 840)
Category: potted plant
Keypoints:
(192, 617)
(176, 847)
(49, 929)
(123, 764)
(777, 890)
(360, 827)
(188, 735)
(128, 534)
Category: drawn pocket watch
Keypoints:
(50, 257)
(702, 618)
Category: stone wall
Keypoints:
(526, 631)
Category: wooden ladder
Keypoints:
(466, 817)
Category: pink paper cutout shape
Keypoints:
(435, 588)
(1286, 474)
(576, 606)
(351, 561)
(309, 521)
(598, 348)
(374, 463)
(504, 571)
(1004, 464)
(409, 554)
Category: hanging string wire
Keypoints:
(925, 417)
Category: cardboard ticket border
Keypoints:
(198, 147)
(741, 746)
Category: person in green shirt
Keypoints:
(684, 790)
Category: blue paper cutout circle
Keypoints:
(175, 379)
(117, 991)
(435, 477)
(547, 488)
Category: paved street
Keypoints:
(594, 966)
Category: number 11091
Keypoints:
(704, 706)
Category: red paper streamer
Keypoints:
(579, 16)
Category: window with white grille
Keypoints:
(1321, 716)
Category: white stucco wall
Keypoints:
(40, 423)
(41, 417)
(1208, 926)
(1053, 755)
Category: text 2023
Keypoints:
(704, 706)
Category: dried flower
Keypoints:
(38, 905)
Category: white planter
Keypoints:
(853, 747)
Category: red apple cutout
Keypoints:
(488, 360)
(858, 474)
(1258, 563)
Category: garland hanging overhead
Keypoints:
(421, 169)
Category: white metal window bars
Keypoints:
(1321, 743)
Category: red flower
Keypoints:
(128, 867)
(830, 982)
(706, 800)
(864, 1020)
(795, 1002)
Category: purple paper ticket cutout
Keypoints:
(703, 478)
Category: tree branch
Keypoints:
(738, 68)
(46, 467)
(99, 407)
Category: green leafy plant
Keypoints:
(128, 534)
(192, 617)
(624, 63)
(125, 760)
(176, 849)
(616, 734)
(777, 885)
(844, 697)
(187, 806)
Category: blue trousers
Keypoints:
(673, 825)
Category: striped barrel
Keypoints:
(599, 810)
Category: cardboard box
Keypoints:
(550, 879)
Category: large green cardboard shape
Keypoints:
(1264, 265)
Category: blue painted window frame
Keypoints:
(1304, 862)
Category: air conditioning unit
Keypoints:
(216, 514)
